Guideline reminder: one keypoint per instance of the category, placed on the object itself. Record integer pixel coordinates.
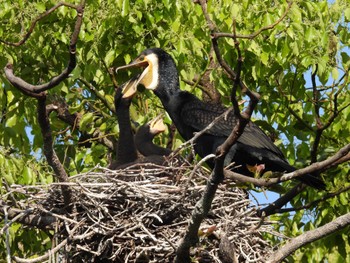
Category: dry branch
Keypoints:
(203, 206)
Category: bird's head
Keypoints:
(158, 68)
(157, 125)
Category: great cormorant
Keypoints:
(128, 144)
(191, 115)
(144, 138)
(126, 152)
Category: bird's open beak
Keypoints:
(130, 87)
(139, 63)
(157, 125)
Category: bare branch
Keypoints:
(204, 204)
(283, 200)
(46, 256)
(308, 237)
(49, 152)
(313, 203)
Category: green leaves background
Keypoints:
(278, 63)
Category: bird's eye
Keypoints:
(142, 58)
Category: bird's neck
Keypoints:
(126, 151)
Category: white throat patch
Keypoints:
(154, 69)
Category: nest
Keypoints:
(140, 214)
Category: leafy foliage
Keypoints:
(278, 63)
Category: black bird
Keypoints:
(191, 115)
(144, 138)
(126, 152)
(127, 143)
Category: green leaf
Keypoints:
(103, 127)
(127, 58)
(12, 121)
(335, 73)
(110, 56)
(86, 120)
(125, 8)
(344, 200)
(347, 14)
(27, 176)
(41, 7)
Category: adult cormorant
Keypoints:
(144, 138)
(191, 115)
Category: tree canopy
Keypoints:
(296, 55)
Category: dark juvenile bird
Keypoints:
(191, 115)
(145, 135)
(126, 152)
(128, 144)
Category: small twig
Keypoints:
(200, 133)
(32, 26)
(313, 203)
(50, 252)
(258, 32)
(280, 202)
(194, 170)
(91, 87)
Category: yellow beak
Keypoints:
(157, 125)
(130, 87)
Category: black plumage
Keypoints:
(145, 135)
(128, 144)
(191, 115)
(126, 149)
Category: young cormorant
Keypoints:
(144, 138)
(127, 143)
(126, 152)
(191, 115)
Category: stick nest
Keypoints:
(140, 214)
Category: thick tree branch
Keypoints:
(28, 218)
(203, 206)
(315, 167)
(308, 237)
(50, 153)
(39, 94)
